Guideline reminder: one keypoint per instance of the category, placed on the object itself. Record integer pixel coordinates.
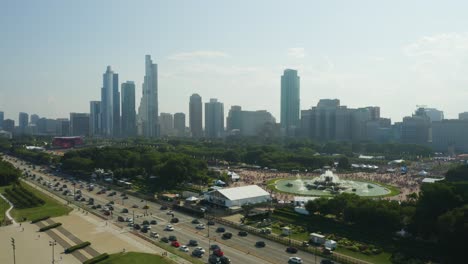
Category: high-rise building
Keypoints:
(450, 135)
(196, 116)
(79, 124)
(374, 112)
(148, 109)
(179, 124)
(94, 118)
(110, 97)
(63, 127)
(290, 102)
(9, 125)
(434, 114)
(166, 124)
(233, 120)
(34, 118)
(46, 126)
(252, 123)
(128, 109)
(2, 117)
(463, 116)
(214, 119)
(23, 122)
(416, 129)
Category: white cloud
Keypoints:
(297, 53)
(439, 46)
(200, 54)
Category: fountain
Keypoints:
(329, 184)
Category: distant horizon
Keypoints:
(393, 55)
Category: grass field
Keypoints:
(51, 207)
(136, 258)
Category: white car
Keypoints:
(200, 226)
(199, 249)
(169, 212)
(295, 260)
(169, 228)
(184, 248)
(154, 234)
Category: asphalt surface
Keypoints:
(237, 249)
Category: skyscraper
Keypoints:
(214, 119)
(128, 109)
(109, 97)
(79, 124)
(148, 110)
(94, 118)
(2, 117)
(23, 122)
(196, 115)
(179, 124)
(166, 124)
(434, 114)
(233, 121)
(34, 118)
(9, 125)
(290, 102)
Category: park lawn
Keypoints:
(382, 258)
(135, 258)
(51, 207)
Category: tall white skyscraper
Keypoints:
(110, 104)
(148, 110)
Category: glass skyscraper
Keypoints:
(290, 102)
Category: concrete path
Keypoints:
(7, 213)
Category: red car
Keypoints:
(218, 252)
(175, 244)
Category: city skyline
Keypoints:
(393, 65)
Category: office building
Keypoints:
(179, 124)
(166, 124)
(434, 114)
(23, 122)
(110, 104)
(214, 119)
(290, 102)
(374, 112)
(450, 135)
(9, 125)
(95, 118)
(46, 126)
(34, 118)
(233, 120)
(196, 116)
(416, 129)
(247, 123)
(148, 114)
(2, 117)
(63, 127)
(128, 109)
(79, 124)
(463, 116)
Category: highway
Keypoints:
(237, 249)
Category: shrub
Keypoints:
(45, 228)
(76, 247)
(97, 259)
(39, 219)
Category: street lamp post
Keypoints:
(14, 247)
(52, 244)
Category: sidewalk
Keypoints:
(7, 213)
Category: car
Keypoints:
(193, 243)
(144, 229)
(260, 244)
(98, 206)
(214, 247)
(153, 222)
(124, 211)
(129, 219)
(197, 253)
(134, 206)
(200, 226)
(137, 226)
(199, 249)
(220, 229)
(125, 198)
(172, 238)
(163, 207)
(120, 219)
(107, 213)
(83, 199)
(211, 222)
(242, 233)
(297, 260)
(175, 244)
(169, 212)
(291, 250)
(130, 224)
(218, 252)
(224, 260)
(145, 222)
(195, 221)
(175, 220)
(94, 207)
(326, 261)
(227, 235)
(184, 248)
(169, 228)
(154, 234)
(165, 240)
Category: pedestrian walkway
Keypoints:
(7, 213)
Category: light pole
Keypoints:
(52, 244)
(13, 246)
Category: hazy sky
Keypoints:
(394, 54)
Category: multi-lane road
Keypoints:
(237, 249)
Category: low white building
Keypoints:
(238, 196)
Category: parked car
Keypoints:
(153, 222)
(169, 228)
(169, 212)
(260, 244)
(220, 229)
(163, 207)
(291, 250)
(165, 240)
(242, 233)
(197, 253)
(218, 252)
(134, 206)
(137, 226)
(193, 243)
(175, 220)
(172, 238)
(175, 244)
(211, 222)
(154, 234)
(199, 249)
(214, 247)
(145, 222)
(144, 229)
(184, 248)
(224, 260)
(295, 260)
(200, 226)
(120, 219)
(227, 235)
(326, 261)
(195, 221)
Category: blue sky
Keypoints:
(394, 54)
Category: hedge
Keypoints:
(78, 246)
(97, 259)
(39, 219)
(45, 228)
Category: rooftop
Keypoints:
(244, 192)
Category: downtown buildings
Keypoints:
(290, 102)
(196, 116)
(148, 110)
